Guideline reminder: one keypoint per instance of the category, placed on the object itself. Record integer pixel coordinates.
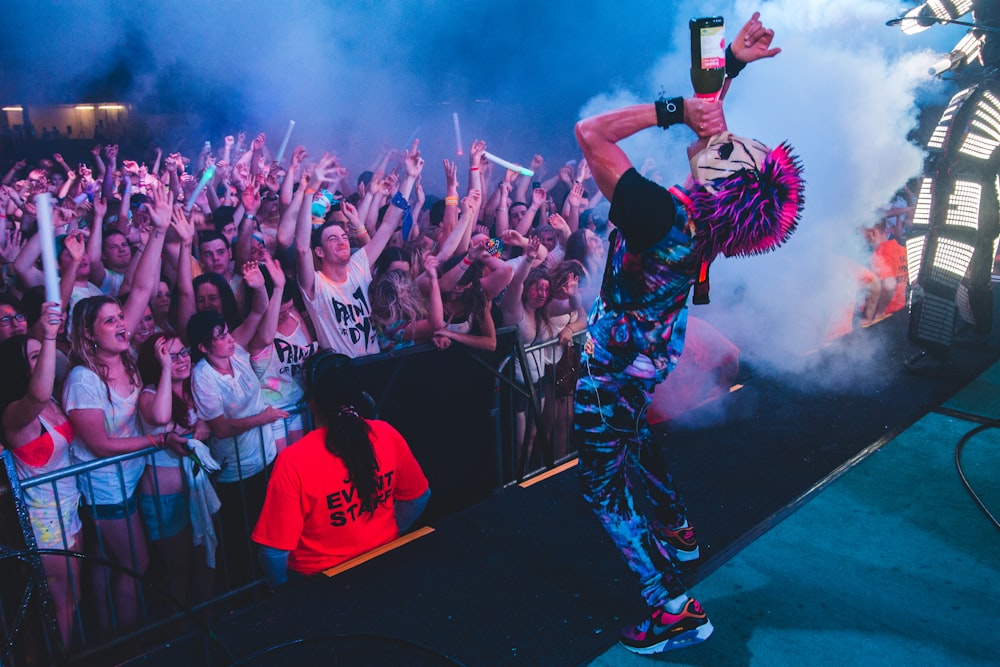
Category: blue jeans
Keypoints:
(619, 465)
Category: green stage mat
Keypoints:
(891, 564)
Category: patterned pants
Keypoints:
(625, 477)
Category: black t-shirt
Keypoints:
(643, 210)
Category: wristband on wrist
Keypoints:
(250, 216)
(473, 168)
(669, 112)
(451, 201)
(466, 262)
(733, 66)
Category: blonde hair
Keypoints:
(394, 298)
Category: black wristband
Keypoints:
(733, 66)
(669, 112)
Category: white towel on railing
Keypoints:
(203, 503)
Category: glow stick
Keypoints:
(284, 142)
(524, 171)
(409, 142)
(47, 238)
(205, 178)
(458, 133)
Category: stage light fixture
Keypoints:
(963, 205)
(914, 252)
(922, 17)
(941, 131)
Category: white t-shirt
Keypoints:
(341, 312)
(234, 397)
(112, 282)
(84, 390)
(279, 367)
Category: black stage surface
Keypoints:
(528, 577)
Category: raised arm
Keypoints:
(253, 280)
(413, 164)
(185, 282)
(147, 272)
(156, 407)
(268, 326)
(23, 412)
(95, 243)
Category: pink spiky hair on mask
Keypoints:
(750, 211)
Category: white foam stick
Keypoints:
(47, 239)
(524, 171)
(205, 178)
(458, 133)
(284, 142)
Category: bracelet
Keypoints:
(310, 191)
(249, 216)
(473, 168)
(153, 442)
(451, 200)
(47, 338)
(669, 112)
(466, 262)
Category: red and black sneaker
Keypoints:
(679, 544)
(664, 631)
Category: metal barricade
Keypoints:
(459, 410)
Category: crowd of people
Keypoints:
(195, 290)
(193, 293)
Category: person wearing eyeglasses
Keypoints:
(166, 404)
(12, 319)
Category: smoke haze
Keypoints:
(355, 76)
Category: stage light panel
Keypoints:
(922, 210)
(947, 116)
(950, 262)
(914, 253)
(963, 205)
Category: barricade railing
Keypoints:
(469, 445)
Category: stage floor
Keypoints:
(796, 495)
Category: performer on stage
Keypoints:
(743, 199)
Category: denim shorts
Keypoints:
(109, 512)
(165, 515)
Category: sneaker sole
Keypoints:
(678, 554)
(689, 638)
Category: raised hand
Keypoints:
(184, 227)
(450, 174)
(163, 354)
(258, 142)
(250, 198)
(298, 155)
(162, 205)
(538, 196)
(413, 164)
(476, 152)
(753, 41)
(274, 270)
(11, 243)
(252, 276)
(51, 320)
